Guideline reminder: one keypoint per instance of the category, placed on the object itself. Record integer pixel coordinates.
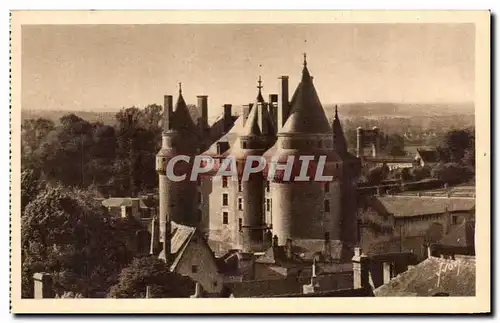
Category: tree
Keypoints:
(451, 173)
(67, 233)
(31, 185)
(33, 132)
(395, 145)
(153, 272)
(419, 173)
(457, 142)
(376, 174)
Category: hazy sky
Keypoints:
(106, 67)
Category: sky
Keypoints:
(108, 67)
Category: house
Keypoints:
(428, 157)
(190, 255)
(128, 206)
(408, 223)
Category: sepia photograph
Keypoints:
(325, 158)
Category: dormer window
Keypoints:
(244, 145)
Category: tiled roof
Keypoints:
(460, 236)
(122, 201)
(407, 206)
(306, 113)
(434, 275)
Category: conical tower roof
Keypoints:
(307, 115)
(182, 120)
(339, 142)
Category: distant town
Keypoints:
(101, 219)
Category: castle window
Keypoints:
(225, 199)
(224, 181)
(268, 205)
(240, 204)
(327, 187)
(194, 269)
(199, 198)
(240, 224)
(326, 206)
(225, 218)
(244, 144)
(267, 186)
(454, 219)
(239, 185)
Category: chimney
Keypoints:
(155, 237)
(273, 107)
(359, 142)
(42, 286)
(283, 103)
(203, 109)
(288, 248)
(387, 272)
(361, 270)
(167, 112)
(327, 247)
(198, 291)
(314, 285)
(261, 118)
(245, 111)
(167, 241)
(275, 241)
(227, 117)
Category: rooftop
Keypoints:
(434, 275)
(408, 206)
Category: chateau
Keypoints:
(256, 214)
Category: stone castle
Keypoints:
(253, 215)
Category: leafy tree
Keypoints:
(419, 173)
(153, 272)
(457, 142)
(33, 132)
(67, 233)
(451, 173)
(395, 145)
(376, 174)
(31, 185)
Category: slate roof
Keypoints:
(429, 155)
(289, 286)
(408, 206)
(307, 115)
(434, 275)
(339, 142)
(181, 236)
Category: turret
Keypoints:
(255, 137)
(178, 139)
(299, 208)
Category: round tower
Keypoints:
(256, 135)
(173, 161)
(299, 207)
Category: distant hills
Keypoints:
(375, 109)
(346, 111)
